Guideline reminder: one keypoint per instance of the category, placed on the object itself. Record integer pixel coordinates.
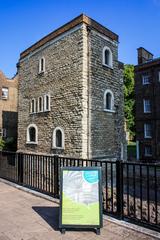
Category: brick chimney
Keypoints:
(144, 55)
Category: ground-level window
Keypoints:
(32, 134)
(148, 151)
(108, 100)
(58, 138)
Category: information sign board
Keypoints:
(80, 197)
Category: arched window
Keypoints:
(32, 134)
(47, 102)
(107, 57)
(108, 101)
(33, 106)
(58, 138)
(42, 65)
(40, 104)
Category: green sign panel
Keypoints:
(81, 203)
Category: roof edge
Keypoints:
(69, 25)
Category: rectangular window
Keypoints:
(4, 132)
(145, 79)
(148, 151)
(159, 76)
(4, 93)
(147, 130)
(147, 105)
(42, 65)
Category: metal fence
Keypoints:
(131, 191)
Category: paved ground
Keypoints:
(27, 217)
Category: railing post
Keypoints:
(56, 177)
(119, 185)
(20, 168)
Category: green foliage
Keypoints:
(11, 144)
(2, 144)
(129, 102)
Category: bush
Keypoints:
(2, 144)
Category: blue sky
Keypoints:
(23, 22)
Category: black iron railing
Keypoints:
(131, 191)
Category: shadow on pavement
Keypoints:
(49, 214)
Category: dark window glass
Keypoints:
(40, 104)
(32, 134)
(33, 106)
(42, 64)
(107, 55)
(58, 138)
(47, 103)
(108, 101)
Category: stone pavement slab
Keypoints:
(24, 216)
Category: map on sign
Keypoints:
(80, 197)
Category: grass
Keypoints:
(131, 150)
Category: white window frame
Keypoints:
(144, 81)
(145, 104)
(4, 89)
(28, 136)
(49, 103)
(39, 104)
(112, 101)
(145, 151)
(40, 65)
(31, 108)
(110, 65)
(54, 138)
(146, 130)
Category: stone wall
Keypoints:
(76, 80)
(63, 81)
(107, 128)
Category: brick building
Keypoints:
(71, 93)
(147, 94)
(8, 107)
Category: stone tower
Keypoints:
(71, 93)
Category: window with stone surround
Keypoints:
(40, 104)
(107, 58)
(145, 79)
(58, 138)
(147, 105)
(42, 65)
(33, 106)
(148, 151)
(147, 130)
(46, 102)
(108, 101)
(5, 93)
(32, 134)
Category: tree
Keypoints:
(129, 102)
